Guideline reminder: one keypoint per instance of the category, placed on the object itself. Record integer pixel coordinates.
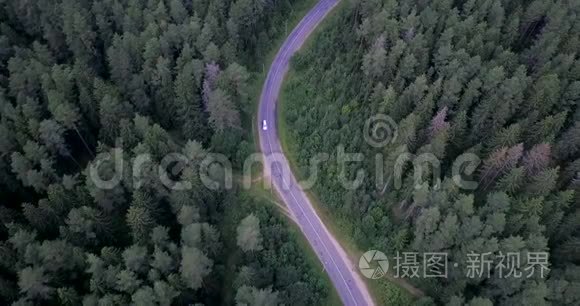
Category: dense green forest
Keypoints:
(81, 79)
(496, 78)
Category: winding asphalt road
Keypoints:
(342, 272)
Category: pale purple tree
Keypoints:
(438, 122)
(499, 163)
(212, 72)
(537, 158)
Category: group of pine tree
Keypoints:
(496, 78)
(80, 79)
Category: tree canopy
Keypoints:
(495, 79)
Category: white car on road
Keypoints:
(264, 125)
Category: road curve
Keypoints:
(342, 272)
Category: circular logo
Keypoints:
(380, 130)
(373, 264)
